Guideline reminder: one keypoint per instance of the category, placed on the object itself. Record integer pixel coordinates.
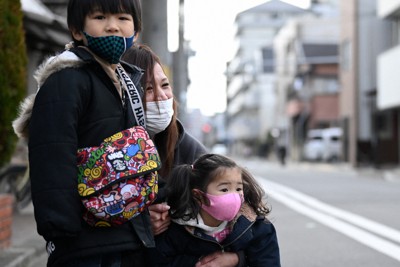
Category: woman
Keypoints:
(174, 144)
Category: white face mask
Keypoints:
(159, 115)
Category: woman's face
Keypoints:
(162, 89)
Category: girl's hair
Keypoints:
(143, 57)
(79, 9)
(185, 178)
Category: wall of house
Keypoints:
(324, 111)
(348, 72)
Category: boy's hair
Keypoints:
(79, 9)
(184, 178)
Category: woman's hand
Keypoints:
(159, 217)
(219, 259)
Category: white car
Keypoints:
(323, 144)
(219, 149)
(314, 146)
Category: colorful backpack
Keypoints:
(118, 179)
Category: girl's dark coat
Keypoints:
(255, 236)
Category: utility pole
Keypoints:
(180, 65)
(155, 34)
(155, 28)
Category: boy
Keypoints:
(80, 102)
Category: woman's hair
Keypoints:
(143, 57)
(79, 9)
(185, 178)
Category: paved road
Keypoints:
(313, 209)
(332, 215)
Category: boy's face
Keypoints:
(99, 24)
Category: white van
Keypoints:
(323, 144)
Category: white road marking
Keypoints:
(336, 219)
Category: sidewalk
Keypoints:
(27, 247)
(390, 173)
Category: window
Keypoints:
(268, 60)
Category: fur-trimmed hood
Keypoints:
(66, 59)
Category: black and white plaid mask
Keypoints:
(110, 48)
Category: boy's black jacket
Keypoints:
(84, 108)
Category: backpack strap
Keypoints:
(133, 95)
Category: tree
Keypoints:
(13, 61)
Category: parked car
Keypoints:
(313, 147)
(323, 144)
(219, 149)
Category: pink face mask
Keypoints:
(223, 207)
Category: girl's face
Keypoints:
(162, 89)
(228, 181)
(98, 24)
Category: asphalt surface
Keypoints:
(28, 248)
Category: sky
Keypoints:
(209, 27)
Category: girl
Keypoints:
(216, 206)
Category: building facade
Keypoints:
(250, 76)
(369, 135)
(307, 77)
(387, 107)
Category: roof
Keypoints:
(320, 53)
(44, 26)
(35, 9)
(275, 6)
